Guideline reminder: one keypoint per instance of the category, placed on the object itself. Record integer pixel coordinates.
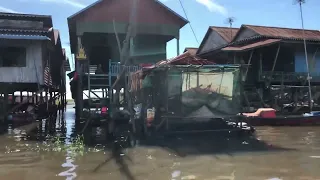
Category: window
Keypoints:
(12, 57)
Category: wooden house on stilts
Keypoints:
(31, 59)
(276, 74)
(99, 29)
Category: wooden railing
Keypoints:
(287, 76)
(116, 69)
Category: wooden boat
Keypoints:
(268, 117)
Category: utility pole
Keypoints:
(300, 2)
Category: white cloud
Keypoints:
(72, 3)
(214, 6)
(3, 9)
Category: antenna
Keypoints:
(300, 2)
(230, 21)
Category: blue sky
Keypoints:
(201, 13)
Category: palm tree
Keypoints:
(300, 2)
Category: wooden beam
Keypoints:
(274, 63)
(260, 62)
(249, 62)
(275, 59)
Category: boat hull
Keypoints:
(283, 121)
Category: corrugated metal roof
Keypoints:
(23, 15)
(26, 32)
(46, 19)
(157, 1)
(23, 30)
(225, 32)
(285, 33)
(185, 59)
(246, 47)
(26, 37)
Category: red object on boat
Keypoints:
(268, 114)
(104, 110)
(268, 117)
(291, 120)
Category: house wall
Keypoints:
(212, 42)
(313, 61)
(245, 33)
(33, 72)
(100, 47)
(284, 63)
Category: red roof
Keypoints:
(183, 59)
(186, 59)
(191, 51)
(285, 33)
(244, 47)
(225, 32)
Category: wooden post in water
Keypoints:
(5, 104)
(50, 94)
(21, 97)
(28, 97)
(46, 99)
(37, 97)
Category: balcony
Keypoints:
(287, 77)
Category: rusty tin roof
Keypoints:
(246, 47)
(225, 32)
(191, 50)
(285, 33)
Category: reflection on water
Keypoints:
(70, 174)
(275, 153)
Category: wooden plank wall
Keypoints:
(33, 68)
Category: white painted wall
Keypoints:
(34, 63)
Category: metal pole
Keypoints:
(178, 47)
(306, 55)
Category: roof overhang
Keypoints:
(24, 37)
(247, 47)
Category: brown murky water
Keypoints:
(287, 153)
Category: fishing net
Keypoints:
(187, 93)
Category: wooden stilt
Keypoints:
(5, 105)
(21, 97)
(28, 98)
(46, 99)
(32, 99)
(37, 98)
(41, 97)
(51, 95)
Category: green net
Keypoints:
(203, 92)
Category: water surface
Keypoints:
(288, 153)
